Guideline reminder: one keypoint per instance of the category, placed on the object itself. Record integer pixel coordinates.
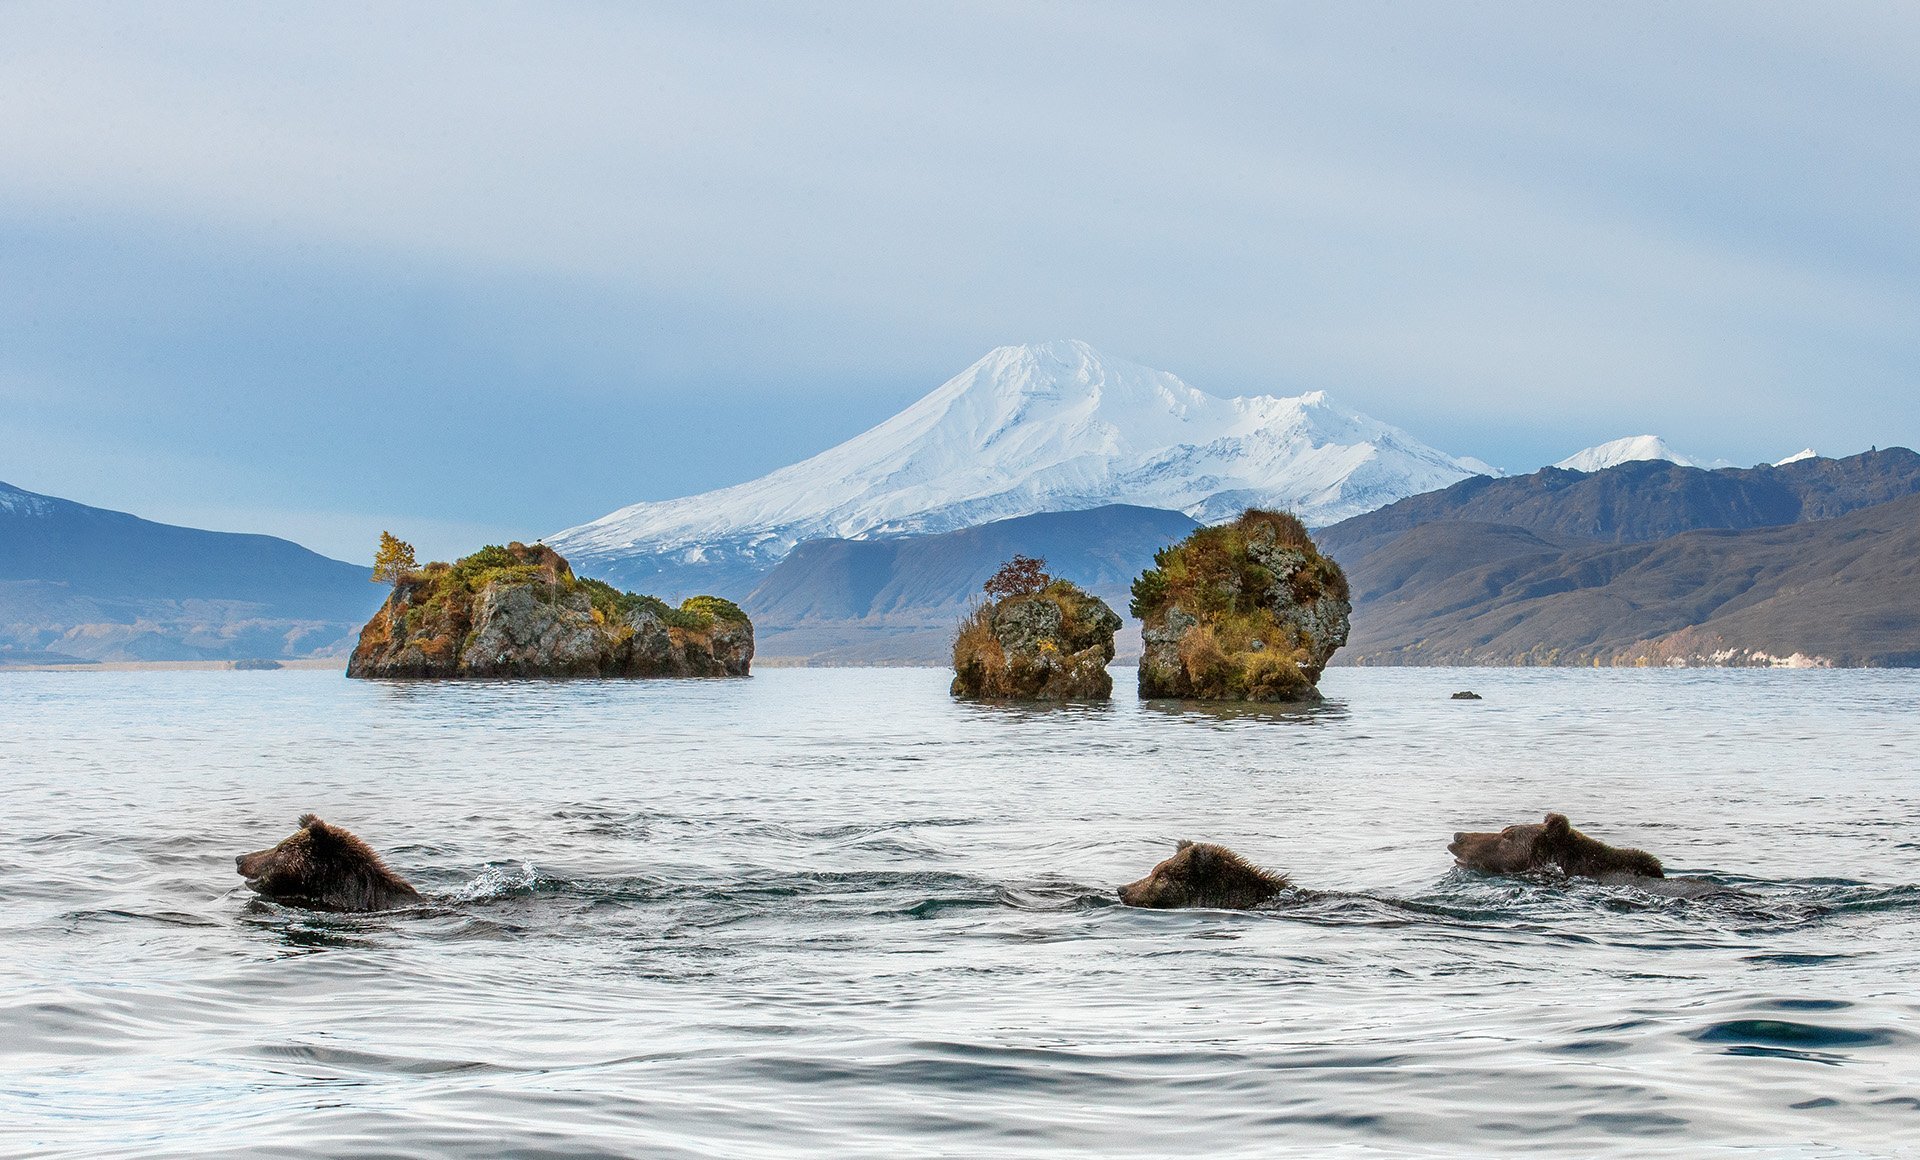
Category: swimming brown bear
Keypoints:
(1551, 845)
(325, 868)
(1201, 874)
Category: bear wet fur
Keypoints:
(324, 867)
(1552, 844)
(1205, 875)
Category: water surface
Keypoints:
(831, 912)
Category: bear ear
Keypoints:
(1558, 824)
(308, 820)
(1181, 845)
(316, 828)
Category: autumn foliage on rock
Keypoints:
(393, 560)
(1039, 639)
(1020, 576)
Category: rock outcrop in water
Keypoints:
(519, 611)
(1042, 640)
(1246, 611)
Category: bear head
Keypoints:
(1508, 851)
(1551, 844)
(1201, 874)
(325, 868)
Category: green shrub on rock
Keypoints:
(711, 610)
(1246, 611)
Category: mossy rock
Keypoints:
(1246, 611)
(1051, 645)
(519, 611)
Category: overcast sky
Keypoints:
(476, 272)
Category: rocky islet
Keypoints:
(1051, 644)
(1245, 611)
(519, 611)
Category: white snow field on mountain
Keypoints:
(1039, 428)
(1638, 448)
(1632, 449)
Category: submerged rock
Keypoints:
(1246, 611)
(1466, 695)
(519, 611)
(1049, 645)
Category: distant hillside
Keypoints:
(87, 583)
(897, 600)
(1642, 500)
(1644, 563)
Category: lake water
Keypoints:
(832, 913)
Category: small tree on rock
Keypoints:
(1020, 576)
(393, 561)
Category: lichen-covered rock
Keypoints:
(532, 630)
(1246, 611)
(648, 648)
(731, 643)
(651, 647)
(1050, 645)
(520, 611)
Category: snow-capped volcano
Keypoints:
(1629, 450)
(1027, 429)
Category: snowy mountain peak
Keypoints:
(1052, 426)
(1629, 450)
(1806, 453)
(1065, 386)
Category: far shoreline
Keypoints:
(173, 666)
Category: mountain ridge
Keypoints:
(89, 583)
(1549, 568)
(1646, 499)
(1827, 592)
(1644, 562)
